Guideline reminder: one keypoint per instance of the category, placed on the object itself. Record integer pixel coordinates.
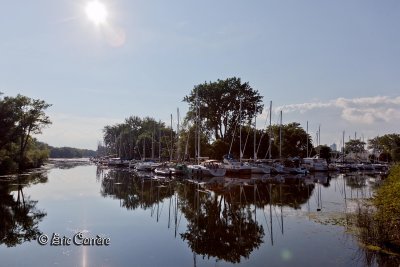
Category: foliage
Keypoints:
(386, 146)
(395, 154)
(138, 138)
(354, 146)
(220, 103)
(19, 216)
(294, 140)
(324, 152)
(387, 201)
(70, 152)
(20, 117)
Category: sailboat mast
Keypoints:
(198, 126)
(270, 128)
(199, 134)
(255, 130)
(152, 143)
(240, 130)
(178, 152)
(144, 149)
(159, 141)
(343, 147)
(172, 143)
(280, 138)
(307, 140)
(319, 135)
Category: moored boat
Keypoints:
(207, 168)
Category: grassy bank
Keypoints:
(378, 221)
(387, 202)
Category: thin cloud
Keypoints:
(365, 110)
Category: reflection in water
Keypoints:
(228, 218)
(133, 192)
(19, 217)
(221, 213)
(218, 226)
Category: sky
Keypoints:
(335, 64)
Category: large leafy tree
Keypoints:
(20, 118)
(30, 119)
(294, 140)
(219, 104)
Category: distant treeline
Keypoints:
(70, 152)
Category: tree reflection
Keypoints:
(133, 191)
(220, 212)
(19, 217)
(217, 228)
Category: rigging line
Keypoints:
(267, 151)
(242, 190)
(263, 133)
(245, 143)
(233, 138)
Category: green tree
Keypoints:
(20, 117)
(30, 119)
(294, 140)
(355, 146)
(220, 103)
(386, 146)
(7, 122)
(127, 140)
(324, 152)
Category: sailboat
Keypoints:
(233, 166)
(258, 168)
(209, 167)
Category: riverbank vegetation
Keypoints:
(20, 117)
(378, 221)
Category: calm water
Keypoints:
(259, 221)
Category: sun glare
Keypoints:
(96, 12)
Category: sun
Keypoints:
(96, 12)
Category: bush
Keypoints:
(387, 202)
(8, 165)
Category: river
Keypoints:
(48, 216)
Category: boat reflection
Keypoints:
(19, 217)
(229, 217)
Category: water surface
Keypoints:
(257, 221)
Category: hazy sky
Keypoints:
(333, 63)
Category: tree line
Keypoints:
(70, 152)
(221, 118)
